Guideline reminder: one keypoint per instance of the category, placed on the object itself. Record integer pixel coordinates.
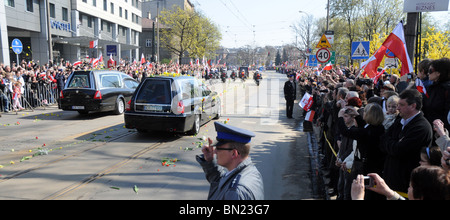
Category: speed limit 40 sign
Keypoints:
(323, 55)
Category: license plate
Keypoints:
(153, 108)
(78, 107)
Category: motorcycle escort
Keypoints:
(242, 76)
(224, 76)
(257, 77)
(233, 75)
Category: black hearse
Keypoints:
(97, 91)
(173, 104)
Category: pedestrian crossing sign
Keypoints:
(360, 50)
(323, 42)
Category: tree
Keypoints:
(436, 44)
(278, 58)
(187, 32)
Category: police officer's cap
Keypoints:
(227, 133)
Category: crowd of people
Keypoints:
(393, 131)
(32, 84)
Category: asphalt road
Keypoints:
(52, 154)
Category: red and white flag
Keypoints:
(93, 44)
(329, 66)
(142, 59)
(95, 62)
(77, 63)
(306, 102)
(396, 43)
(421, 88)
(310, 115)
(375, 79)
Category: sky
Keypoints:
(269, 19)
(264, 22)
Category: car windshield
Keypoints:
(80, 80)
(155, 92)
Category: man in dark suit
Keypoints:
(290, 91)
(404, 139)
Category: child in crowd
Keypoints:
(16, 96)
(391, 111)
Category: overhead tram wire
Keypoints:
(232, 12)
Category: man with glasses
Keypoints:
(231, 174)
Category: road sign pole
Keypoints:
(17, 58)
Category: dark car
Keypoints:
(173, 104)
(97, 91)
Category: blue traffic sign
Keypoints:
(312, 61)
(360, 50)
(17, 46)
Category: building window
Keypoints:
(52, 10)
(108, 27)
(89, 18)
(112, 8)
(124, 31)
(105, 5)
(30, 5)
(85, 1)
(94, 3)
(9, 3)
(120, 11)
(65, 14)
(126, 14)
(148, 42)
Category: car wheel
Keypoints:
(195, 126)
(120, 106)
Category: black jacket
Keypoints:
(290, 90)
(368, 139)
(402, 148)
(437, 105)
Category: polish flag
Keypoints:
(395, 42)
(306, 63)
(306, 102)
(142, 59)
(375, 79)
(95, 62)
(100, 59)
(77, 63)
(370, 66)
(421, 88)
(197, 61)
(329, 66)
(310, 115)
(93, 44)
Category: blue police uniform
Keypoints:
(242, 183)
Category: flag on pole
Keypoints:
(93, 44)
(421, 88)
(375, 79)
(329, 66)
(395, 42)
(142, 59)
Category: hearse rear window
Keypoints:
(80, 80)
(155, 92)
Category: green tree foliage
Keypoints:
(188, 33)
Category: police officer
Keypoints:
(232, 174)
(290, 91)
